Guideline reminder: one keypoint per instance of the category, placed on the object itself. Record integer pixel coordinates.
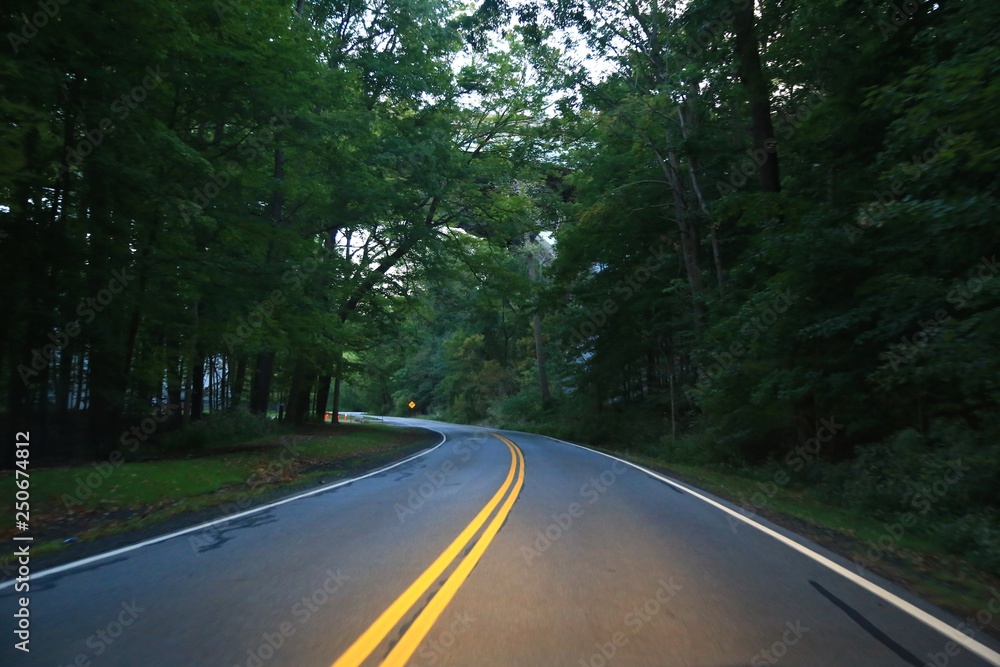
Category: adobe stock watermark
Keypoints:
(914, 170)
(921, 503)
(592, 490)
(302, 611)
(248, 150)
(909, 346)
(47, 10)
(130, 440)
(105, 636)
(779, 649)
(434, 480)
(796, 460)
(901, 13)
(970, 627)
(434, 649)
(749, 333)
(122, 107)
(625, 289)
(42, 358)
(634, 621)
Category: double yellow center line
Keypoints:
(422, 624)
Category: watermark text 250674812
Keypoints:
(22, 515)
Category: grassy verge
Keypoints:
(911, 560)
(83, 504)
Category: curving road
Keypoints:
(490, 549)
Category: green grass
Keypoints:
(135, 484)
(93, 501)
(363, 438)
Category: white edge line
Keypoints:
(202, 526)
(951, 633)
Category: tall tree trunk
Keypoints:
(536, 329)
(712, 237)
(197, 393)
(239, 380)
(222, 389)
(107, 394)
(260, 383)
(758, 94)
(336, 392)
(673, 404)
(702, 207)
(687, 228)
(64, 378)
(175, 378)
(106, 365)
(83, 387)
(322, 396)
(298, 394)
(543, 377)
(263, 374)
(210, 371)
(670, 167)
(294, 393)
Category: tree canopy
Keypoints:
(704, 226)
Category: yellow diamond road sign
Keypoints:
(412, 405)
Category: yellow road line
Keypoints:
(415, 634)
(383, 625)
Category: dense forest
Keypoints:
(723, 231)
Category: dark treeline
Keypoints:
(775, 246)
(727, 232)
(206, 205)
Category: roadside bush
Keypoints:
(521, 411)
(219, 430)
(696, 448)
(976, 536)
(941, 474)
(884, 477)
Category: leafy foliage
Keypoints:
(700, 228)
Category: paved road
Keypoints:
(510, 550)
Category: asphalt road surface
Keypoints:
(490, 549)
